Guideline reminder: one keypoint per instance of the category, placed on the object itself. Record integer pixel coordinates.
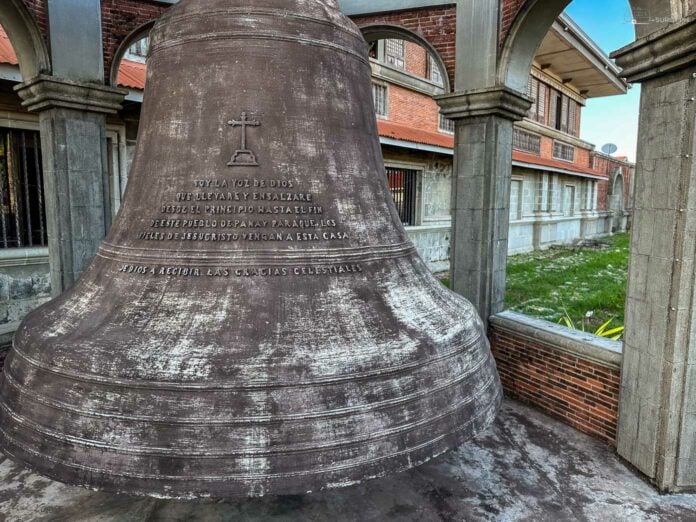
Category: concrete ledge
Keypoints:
(12, 257)
(580, 344)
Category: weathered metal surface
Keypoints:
(257, 321)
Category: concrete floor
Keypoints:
(527, 467)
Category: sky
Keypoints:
(613, 119)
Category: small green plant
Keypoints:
(615, 334)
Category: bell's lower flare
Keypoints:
(257, 321)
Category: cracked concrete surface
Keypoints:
(527, 467)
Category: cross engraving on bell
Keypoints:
(244, 157)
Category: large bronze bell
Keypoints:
(257, 321)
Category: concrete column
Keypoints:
(481, 191)
(73, 136)
(657, 425)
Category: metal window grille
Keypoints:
(379, 93)
(526, 141)
(395, 53)
(435, 73)
(22, 211)
(446, 125)
(563, 151)
(403, 185)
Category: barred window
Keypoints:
(379, 93)
(526, 141)
(22, 211)
(395, 53)
(435, 73)
(139, 49)
(446, 125)
(403, 185)
(563, 151)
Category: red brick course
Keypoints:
(582, 393)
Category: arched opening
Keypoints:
(133, 49)
(653, 429)
(417, 141)
(25, 270)
(129, 71)
(376, 33)
(26, 38)
(616, 203)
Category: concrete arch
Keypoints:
(535, 19)
(135, 35)
(26, 39)
(372, 33)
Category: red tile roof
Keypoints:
(523, 157)
(7, 54)
(132, 75)
(388, 129)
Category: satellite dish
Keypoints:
(609, 149)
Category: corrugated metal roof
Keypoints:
(132, 75)
(388, 129)
(7, 54)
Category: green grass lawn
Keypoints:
(581, 281)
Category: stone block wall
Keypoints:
(25, 284)
(569, 375)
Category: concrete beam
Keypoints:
(76, 40)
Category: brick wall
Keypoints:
(416, 60)
(412, 108)
(437, 25)
(508, 13)
(573, 387)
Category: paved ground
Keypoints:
(527, 467)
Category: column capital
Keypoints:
(491, 101)
(660, 53)
(46, 92)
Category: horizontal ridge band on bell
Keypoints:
(266, 420)
(271, 257)
(461, 427)
(277, 450)
(239, 35)
(474, 339)
(259, 11)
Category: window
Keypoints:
(138, 51)
(564, 113)
(446, 125)
(435, 73)
(379, 94)
(395, 53)
(22, 211)
(515, 200)
(403, 185)
(569, 201)
(538, 91)
(563, 151)
(526, 141)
